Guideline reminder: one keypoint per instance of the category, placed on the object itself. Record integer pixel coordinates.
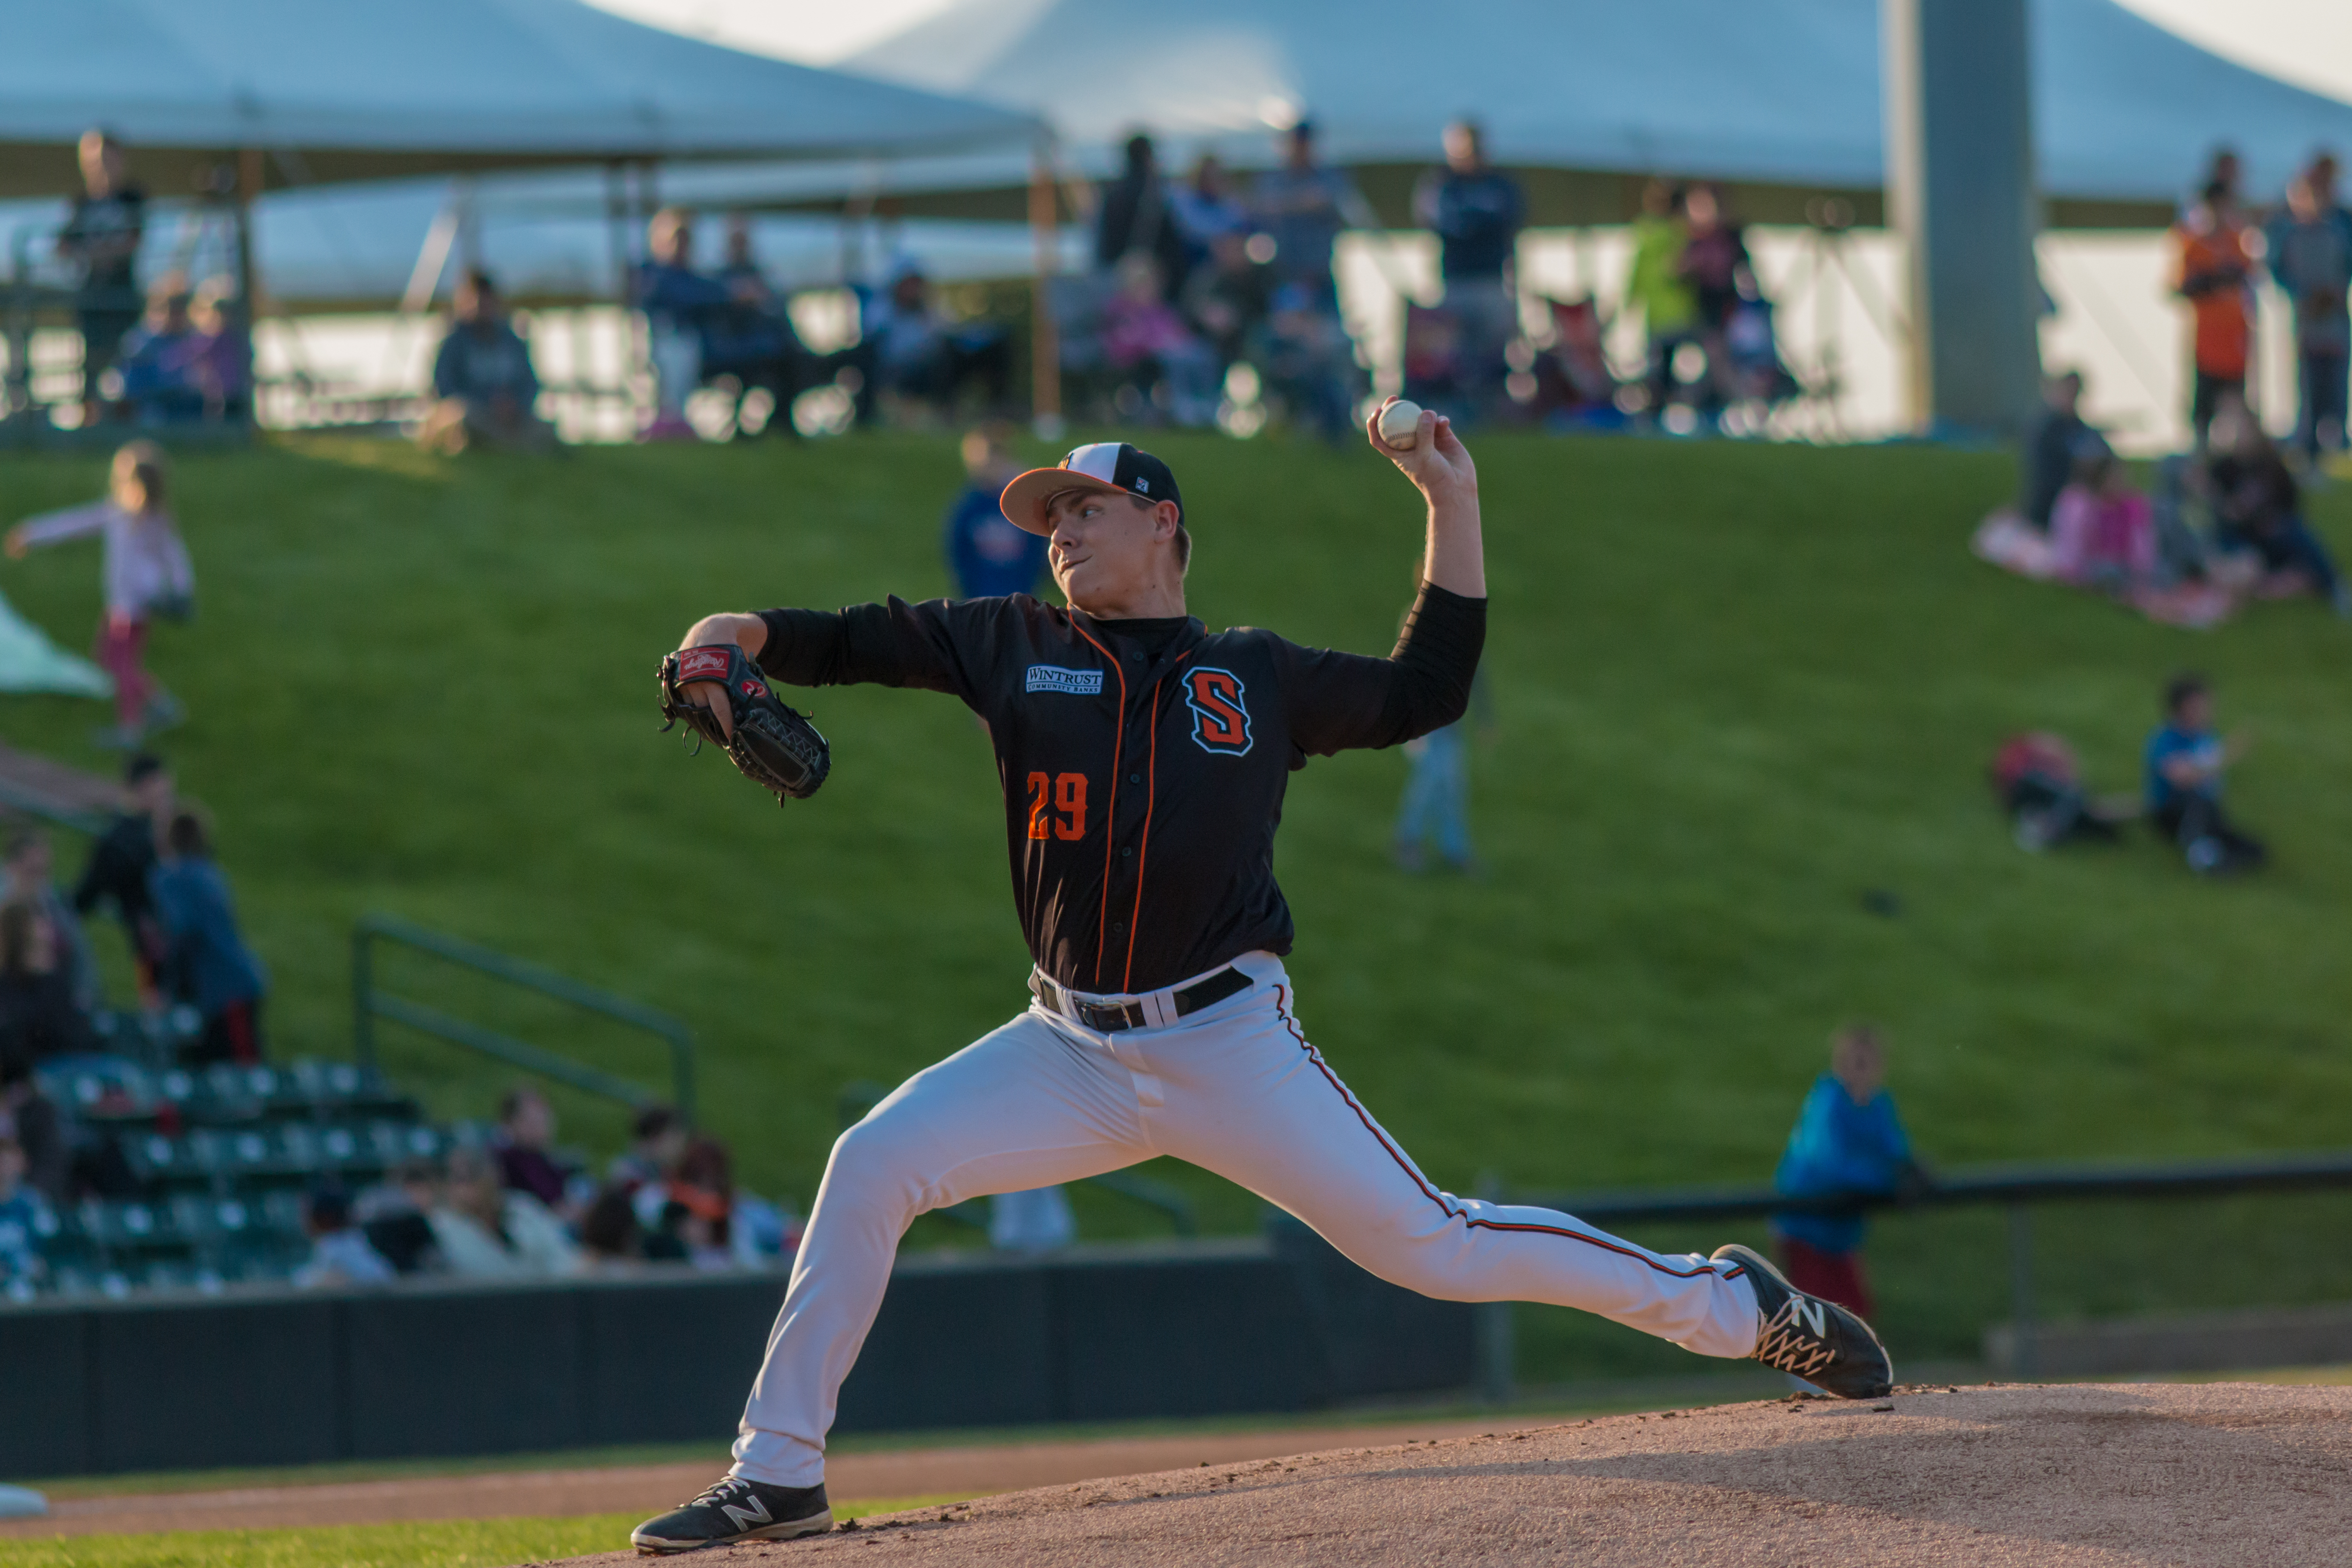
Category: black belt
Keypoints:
(1110, 1019)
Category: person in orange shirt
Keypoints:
(2217, 250)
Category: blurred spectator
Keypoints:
(1477, 212)
(487, 1231)
(31, 871)
(1575, 386)
(2222, 169)
(2102, 533)
(1143, 332)
(610, 1239)
(752, 338)
(159, 357)
(1303, 352)
(24, 1218)
(484, 388)
(1656, 287)
(1752, 371)
(987, 556)
(28, 1117)
(1714, 261)
(1435, 811)
(1226, 297)
(1302, 207)
(1136, 216)
(2185, 761)
(38, 1016)
(1206, 210)
(222, 366)
(118, 870)
(525, 1142)
(397, 1217)
(99, 241)
(1038, 1220)
(1848, 1140)
(697, 1213)
(680, 307)
(218, 974)
(2213, 269)
(2258, 510)
(147, 574)
(339, 1253)
(2308, 248)
(658, 1136)
(2040, 784)
(920, 356)
(2051, 446)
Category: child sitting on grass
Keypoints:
(2186, 761)
(2102, 533)
(147, 576)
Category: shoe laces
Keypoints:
(1797, 1338)
(726, 1490)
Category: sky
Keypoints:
(2307, 42)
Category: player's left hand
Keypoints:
(1438, 464)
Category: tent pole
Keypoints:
(1960, 190)
(1045, 338)
(249, 276)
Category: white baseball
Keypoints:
(1399, 425)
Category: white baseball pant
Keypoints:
(1235, 1088)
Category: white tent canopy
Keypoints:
(1784, 93)
(340, 89)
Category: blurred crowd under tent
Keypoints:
(377, 151)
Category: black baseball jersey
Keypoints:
(1143, 764)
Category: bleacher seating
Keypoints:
(221, 1158)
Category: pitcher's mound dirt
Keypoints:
(2215, 1475)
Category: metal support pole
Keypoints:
(1492, 1325)
(1959, 189)
(249, 171)
(2021, 1288)
(363, 998)
(1044, 335)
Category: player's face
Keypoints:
(1102, 548)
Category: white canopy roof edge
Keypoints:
(1785, 93)
(433, 84)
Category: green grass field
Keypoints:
(1736, 686)
(438, 1543)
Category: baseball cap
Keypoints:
(1106, 468)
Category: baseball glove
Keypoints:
(774, 747)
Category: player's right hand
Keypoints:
(1437, 462)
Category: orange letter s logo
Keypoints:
(1221, 720)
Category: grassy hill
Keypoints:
(1737, 688)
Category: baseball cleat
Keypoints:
(1807, 1337)
(737, 1509)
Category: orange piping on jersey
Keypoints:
(1110, 811)
(1135, 920)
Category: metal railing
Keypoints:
(2013, 1187)
(857, 1098)
(369, 1004)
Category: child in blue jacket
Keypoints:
(1848, 1138)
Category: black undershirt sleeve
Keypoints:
(935, 645)
(1436, 658)
(1341, 700)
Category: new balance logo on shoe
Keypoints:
(750, 1512)
(1796, 1338)
(1818, 1341)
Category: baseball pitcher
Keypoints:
(1144, 760)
